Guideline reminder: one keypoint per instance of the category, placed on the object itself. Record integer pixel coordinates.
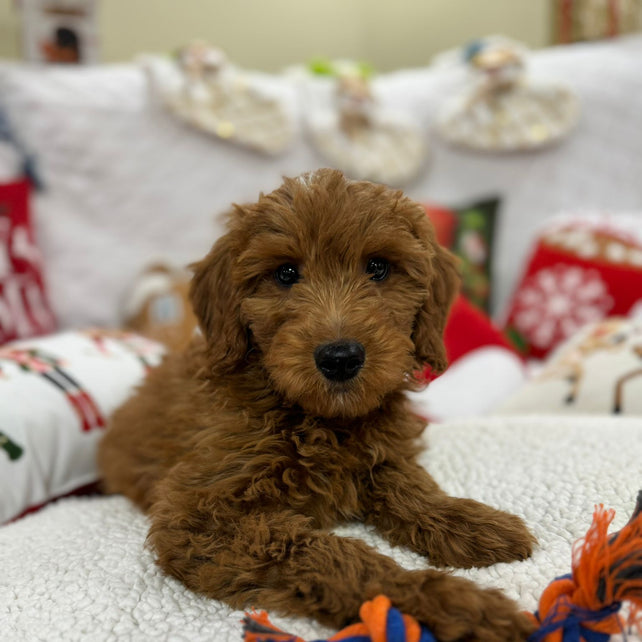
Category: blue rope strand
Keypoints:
(395, 628)
(573, 625)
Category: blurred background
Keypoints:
(272, 34)
(132, 120)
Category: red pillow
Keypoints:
(24, 309)
(468, 329)
(582, 269)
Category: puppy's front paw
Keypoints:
(484, 616)
(455, 609)
(471, 534)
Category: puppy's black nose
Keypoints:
(341, 360)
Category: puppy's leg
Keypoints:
(408, 508)
(277, 561)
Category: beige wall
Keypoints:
(8, 30)
(270, 34)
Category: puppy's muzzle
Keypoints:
(341, 360)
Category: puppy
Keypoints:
(288, 417)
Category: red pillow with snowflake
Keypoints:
(24, 309)
(583, 269)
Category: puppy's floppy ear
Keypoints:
(431, 318)
(216, 301)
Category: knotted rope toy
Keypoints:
(381, 622)
(583, 606)
(607, 571)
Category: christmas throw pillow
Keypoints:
(24, 309)
(56, 394)
(583, 268)
(476, 349)
(597, 371)
(468, 232)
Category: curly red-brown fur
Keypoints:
(243, 453)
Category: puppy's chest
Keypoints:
(324, 477)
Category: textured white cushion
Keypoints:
(79, 570)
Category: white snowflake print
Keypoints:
(557, 301)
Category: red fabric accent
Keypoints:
(88, 489)
(566, 21)
(614, 18)
(444, 221)
(468, 328)
(24, 308)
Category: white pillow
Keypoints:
(56, 394)
(597, 371)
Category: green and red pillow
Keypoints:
(468, 231)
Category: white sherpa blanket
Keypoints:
(79, 570)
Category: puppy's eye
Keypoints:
(379, 268)
(286, 275)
